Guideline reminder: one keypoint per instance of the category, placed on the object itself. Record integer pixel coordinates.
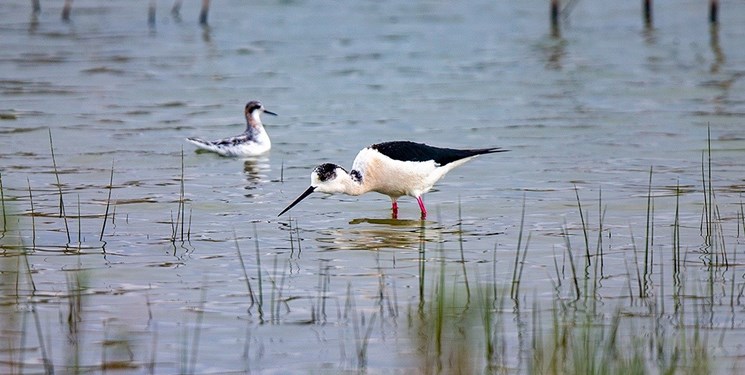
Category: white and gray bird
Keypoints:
(394, 169)
(254, 141)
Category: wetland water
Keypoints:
(336, 284)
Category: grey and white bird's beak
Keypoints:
(270, 113)
(301, 197)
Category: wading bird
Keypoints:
(394, 169)
(252, 142)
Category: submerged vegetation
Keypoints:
(611, 306)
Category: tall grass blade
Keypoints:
(575, 280)
(515, 280)
(80, 227)
(2, 206)
(181, 203)
(676, 237)
(245, 273)
(258, 269)
(108, 202)
(462, 255)
(45, 357)
(601, 220)
(584, 229)
(710, 216)
(59, 188)
(641, 281)
(649, 230)
(33, 215)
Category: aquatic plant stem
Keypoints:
(245, 273)
(33, 215)
(575, 280)
(515, 281)
(59, 187)
(462, 256)
(2, 205)
(258, 269)
(108, 201)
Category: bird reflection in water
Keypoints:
(256, 170)
(380, 234)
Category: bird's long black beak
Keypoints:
(301, 197)
(270, 113)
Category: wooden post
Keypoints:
(647, 10)
(203, 12)
(555, 6)
(713, 11)
(151, 14)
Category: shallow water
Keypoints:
(593, 108)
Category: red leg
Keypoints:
(394, 209)
(421, 207)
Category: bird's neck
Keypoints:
(255, 129)
(353, 185)
(253, 120)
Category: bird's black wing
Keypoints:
(412, 151)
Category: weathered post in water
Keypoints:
(713, 11)
(647, 11)
(554, 11)
(66, 10)
(203, 12)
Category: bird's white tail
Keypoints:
(204, 145)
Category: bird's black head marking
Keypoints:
(326, 171)
(252, 106)
(356, 176)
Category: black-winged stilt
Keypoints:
(392, 168)
(252, 142)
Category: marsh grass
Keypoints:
(2, 207)
(517, 270)
(251, 294)
(459, 320)
(33, 216)
(259, 278)
(59, 187)
(179, 231)
(108, 202)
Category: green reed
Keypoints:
(251, 294)
(77, 286)
(593, 271)
(570, 257)
(462, 255)
(59, 187)
(460, 325)
(108, 202)
(2, 205)
(259, 277)
(33, 216)
(178, 225)
(80, 226)
(649, 238)
(517, 269)
(711, 226)
(588, 259)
